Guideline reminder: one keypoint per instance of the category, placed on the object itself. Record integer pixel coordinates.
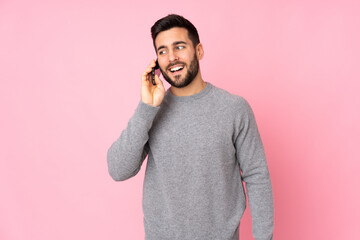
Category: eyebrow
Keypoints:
(174, 44)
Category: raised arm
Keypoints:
(127, 153)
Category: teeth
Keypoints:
(176, 69)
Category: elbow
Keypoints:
(114, 170)
(116, 176)
(113, 166)
(119, 167)
(117, 171)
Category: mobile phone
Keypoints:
(155, 70)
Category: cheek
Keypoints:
(185, 56)
(162, 62)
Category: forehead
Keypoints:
(168, 37)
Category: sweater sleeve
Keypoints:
(126, 155)
(253, 165)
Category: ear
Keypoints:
(199, 51)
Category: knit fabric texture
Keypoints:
(200, 148)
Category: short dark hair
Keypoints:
(174, 20)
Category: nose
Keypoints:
(172, 56)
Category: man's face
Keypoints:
(177, 57)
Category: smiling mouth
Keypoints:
(176, 69)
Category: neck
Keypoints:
(196, 86)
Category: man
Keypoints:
(197, 137)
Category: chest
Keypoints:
(198, 133)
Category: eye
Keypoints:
(162, 52)
(179, 47)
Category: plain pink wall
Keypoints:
(70, 80)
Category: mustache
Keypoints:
(175, 63)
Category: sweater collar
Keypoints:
(190, 98)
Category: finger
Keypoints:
(158, 82)
(145, 77)
(148, 70)
(152, 64)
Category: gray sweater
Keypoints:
(196, 146)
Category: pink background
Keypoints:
(70, 80)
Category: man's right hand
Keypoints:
(151, 94)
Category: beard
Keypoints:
(190, 74)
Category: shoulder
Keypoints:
(234, 102)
